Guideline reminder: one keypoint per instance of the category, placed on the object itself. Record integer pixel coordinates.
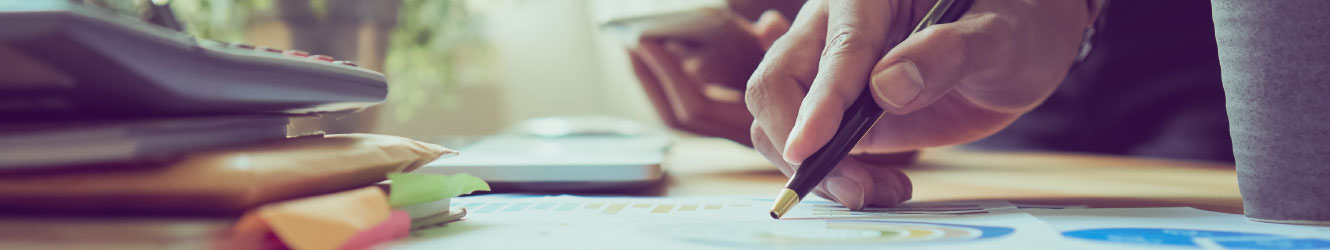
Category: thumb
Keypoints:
(926, 66)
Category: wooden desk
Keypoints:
(699, 167)
(709, 167)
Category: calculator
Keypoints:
(61, 60)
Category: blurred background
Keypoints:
(1149, 87)
(456, 67)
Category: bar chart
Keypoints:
(604, 208)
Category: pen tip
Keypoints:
(787, 199)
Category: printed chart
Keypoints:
(835, 233)
(1202, 239)
(725, 222)
(604, 208)
(639, 206)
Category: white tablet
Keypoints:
(571, 162)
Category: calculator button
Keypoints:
(296, 53)
(347, 63)
(322, 58)
(242, 46)
(268, 49)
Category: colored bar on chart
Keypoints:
(544, 205)
(517, 207)
(491, 207)
(613, 208)
(594, 206)
(662, 208)
(688, 208)
(566, 207)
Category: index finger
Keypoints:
(856, 38)
(784, 73)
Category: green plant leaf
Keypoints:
(416, 188)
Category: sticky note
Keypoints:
(416, 188)
(397, 226)
(324, 222)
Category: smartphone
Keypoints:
(695, 22)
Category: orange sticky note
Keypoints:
(398, 226)
(324, 222)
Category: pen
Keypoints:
(859, 117)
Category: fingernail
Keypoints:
(847, 191)
(795, 137)
(795, 133)
(898, 84)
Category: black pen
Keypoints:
(859, 117)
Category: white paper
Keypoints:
(823, 209)
(1176, 228)
(572, 222)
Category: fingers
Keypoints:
(978, 58)
(853, 184)
(887, 159)
(856, 37)
(784, 73)
(770, 27)
(891, 186)
(809, 75)
(765, 148)
(927, 65)
(651, 85)
(686, 105)
(857, 185)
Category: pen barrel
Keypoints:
(860, 117)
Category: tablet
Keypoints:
(578, 161)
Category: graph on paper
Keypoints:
(813, 208)
(605, 208)
(495, 221)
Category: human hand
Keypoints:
(695, 80)
(951, 83)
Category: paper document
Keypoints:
(573, 222)
(1176, 228)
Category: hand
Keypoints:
(951, 83)
(695, 80)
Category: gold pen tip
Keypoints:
(786, 200)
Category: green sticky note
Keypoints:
(416, 188)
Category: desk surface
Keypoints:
(716, 167)
(708, 167)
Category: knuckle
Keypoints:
(761, 88)
(847, 39)
(993, 36)
(755, 92)
(946, 41)
(994, 31)
(997, 24)
(756, 133)
(842, 94)
(939, 33)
